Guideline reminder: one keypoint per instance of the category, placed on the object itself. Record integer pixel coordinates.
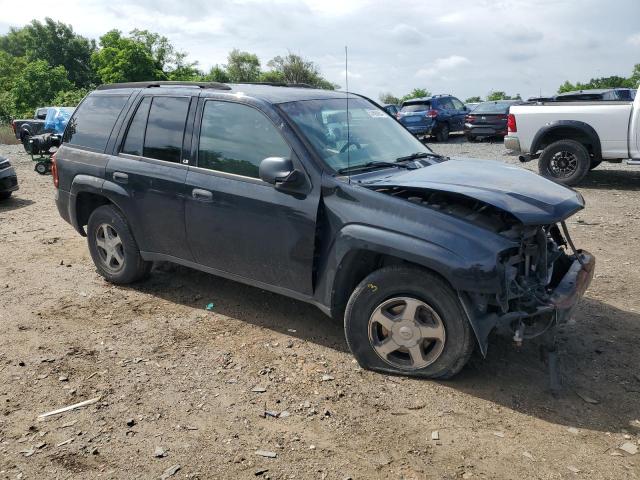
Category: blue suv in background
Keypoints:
(438, 115)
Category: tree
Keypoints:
(494, 96)
(168, 59)
(37, 86)
(388, 97)
(122, 59)
(293, 68)
(473, 100)
(271, 76)
(243, 66)
(416, 93)
(634, 79)
(70, 98)
(217, 74)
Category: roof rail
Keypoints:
(279, 84)
(441, 95)
(213, 85)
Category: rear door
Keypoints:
(236, 223)
(458, 112)
(151, 166)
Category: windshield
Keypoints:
(372, 135)
(493, 107)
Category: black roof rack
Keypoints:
(214, 85)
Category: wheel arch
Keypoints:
(580, 132)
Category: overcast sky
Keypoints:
(447, 46)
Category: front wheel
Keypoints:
(406, 320)
(564, 161)
(113, 249)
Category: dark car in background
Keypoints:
(604, 94)
(438, 115)
(488, 119)
(8, 179)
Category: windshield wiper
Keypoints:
(417, 155)
(372, 165)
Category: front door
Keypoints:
(236, 223)
(150, 168)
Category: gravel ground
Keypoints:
(177, 384)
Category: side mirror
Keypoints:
(280, 173)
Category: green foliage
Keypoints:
(494, 96)
(38, 84)
(473, 100)
(388, 97)
(123, 59)
(243, 66)
(613, 81)
(272, 76)
(7, 107)
(416, 93)
(293, 68)
(70, 98)
(217, 74)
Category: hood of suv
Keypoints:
(530, 198)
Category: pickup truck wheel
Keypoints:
(564, 161)
(113, 249)
(406, 320)
(442, 134)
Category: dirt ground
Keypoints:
(177, 381)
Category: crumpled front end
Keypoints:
(543, 280)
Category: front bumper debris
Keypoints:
(571, 288)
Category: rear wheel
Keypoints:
(564, 161)
(406, 320)
(442, 134)
(113, 249)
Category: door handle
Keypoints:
(202, 195)
(120, 177)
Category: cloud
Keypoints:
(519, 34)
(634, 39)
(455, 17)
(406, 33)
(443, 64)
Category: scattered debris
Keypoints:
(573, 469)
(63, 378)
(69, 408)
(435, 435)
(499, 434)
(260, 471)
(284, 414)
(630, 448)
(266, 453)
(170, 472)
(159, 452)
(66, 442)
(28, 453)
(587, 398)
(528, 455)
(327, 378)
(131, 422)
(210, 306)
(573, 430)
(258, 389)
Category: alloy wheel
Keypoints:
(406, 333)
(563, 164)
(110, 248)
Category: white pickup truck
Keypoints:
(574, 137)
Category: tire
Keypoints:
(26, 144)
(594, 164)
(5, 195)
(41, 168)
(113, 249)
(442, 134)
(394, 288)
(565, 162)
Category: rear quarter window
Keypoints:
(93, 121)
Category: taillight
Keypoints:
(470, 118)
(54, 171)
(13, 125)
(431, 113)
(511, 123)
(398, 116)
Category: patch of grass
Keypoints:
(7, 137)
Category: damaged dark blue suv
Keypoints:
(323, 197)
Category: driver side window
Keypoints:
(235, 138)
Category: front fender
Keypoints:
(479, 275)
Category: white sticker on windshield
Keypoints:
(377, 114)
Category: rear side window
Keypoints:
(235, 138)
(416, 107)
(91, 125)
(157, 128)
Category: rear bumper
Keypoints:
(420, 129)
(485, 130)
(64, 203)
(512, 143)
